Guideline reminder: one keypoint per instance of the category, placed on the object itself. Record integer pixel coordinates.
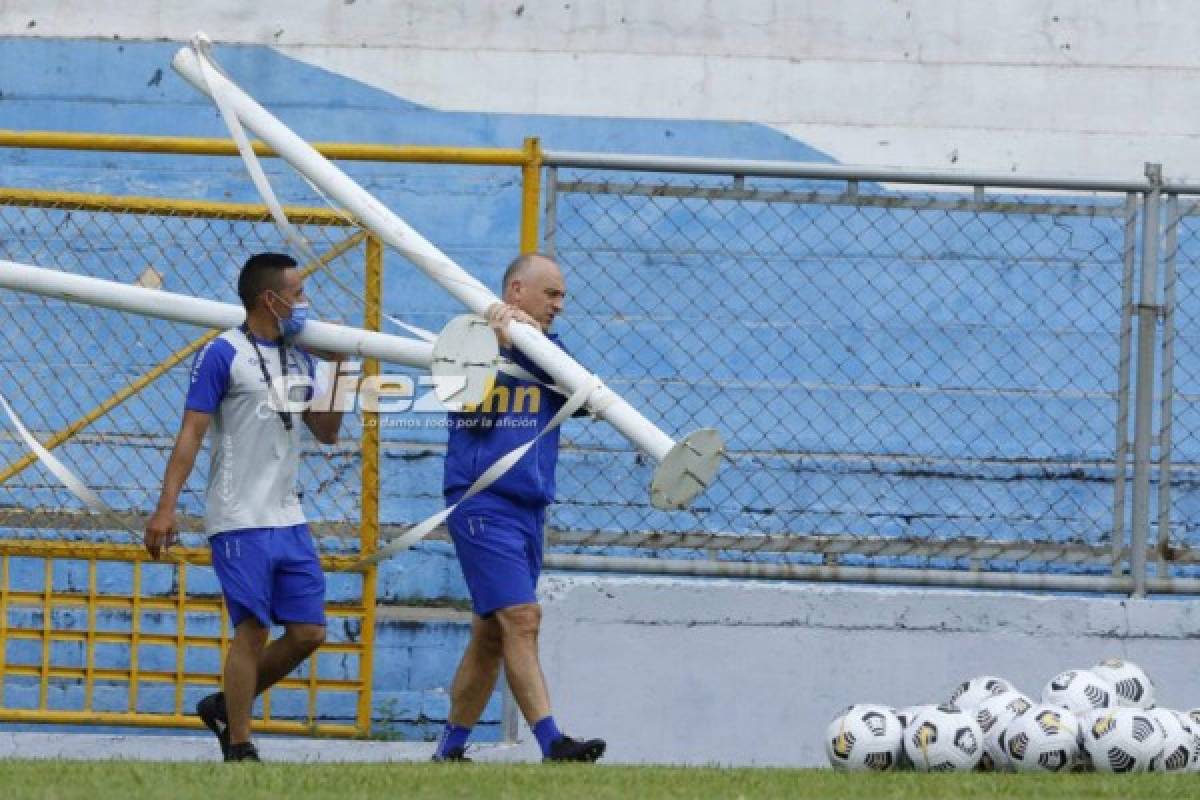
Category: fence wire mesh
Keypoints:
(916, 378)
(1176, 516)
(105, 390)
(63, 361)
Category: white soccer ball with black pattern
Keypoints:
(864, 737)
(943, 739)
(1134, 687)
(969, 694)
(1190, 720)
(906, 715)
(1181, 746)
(1079, 691)
(1122, 740)
(994, 715)
(1043, 739)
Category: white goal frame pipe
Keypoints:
(205, 313)
(684, 468)
(389, 227)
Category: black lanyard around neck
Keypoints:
(286, 416)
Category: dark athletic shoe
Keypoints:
(564, 748)
(212, 712)
(245, 751)
(454, 754)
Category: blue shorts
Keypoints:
(270, 574)
(499, 547)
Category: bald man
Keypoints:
(498, 533)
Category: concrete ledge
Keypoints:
(100, 747)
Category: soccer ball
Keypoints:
(1122, 740)
(943, 739)
(1133, 685)
(1181, 746)
(993, 716)
(1190, 723)
(1079, 691)
(907, 714)
(970, 694)
(864, 737)
(1043, 739)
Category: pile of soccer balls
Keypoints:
(1102, 719)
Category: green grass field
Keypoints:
(126, 780)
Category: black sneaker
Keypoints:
(243, 751)
(214, 716)
(564, 748)
(453, 754)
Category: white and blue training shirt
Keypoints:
(254, 459)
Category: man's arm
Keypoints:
(161, 528)
(325, 425)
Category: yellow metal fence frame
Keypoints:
(528, 158)
(47, 600)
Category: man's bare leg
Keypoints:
(522, 668)
(241, 676)
(477, 672)
(282, 656)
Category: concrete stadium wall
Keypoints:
(737, 673)
(1029, 86)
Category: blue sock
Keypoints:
(453, 736)
(547, 733)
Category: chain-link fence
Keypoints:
(936, 380)
(112, 376)
(1177, 478)
(905, 378)
(89, 631)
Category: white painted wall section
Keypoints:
(697, 672)
(1033, 86)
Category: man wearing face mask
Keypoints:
(262, 550)
(498, 533)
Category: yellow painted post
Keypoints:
(47, 629)
(89, 680)
(531, 193)
(180, 634)
(3, 619)
(369, 521)
(313, 687)
(135, 629)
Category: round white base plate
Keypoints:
(464, 362)
(687, 470)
